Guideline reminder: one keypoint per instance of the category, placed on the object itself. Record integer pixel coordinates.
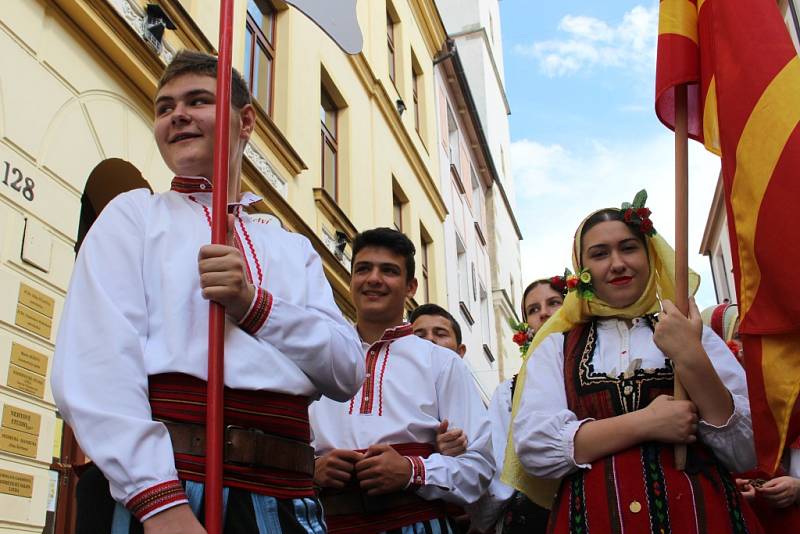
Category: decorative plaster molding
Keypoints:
(135, 18)
(265, 170)
(330, 244)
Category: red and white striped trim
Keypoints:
(185, 184)
(156, 499)
(237, 242)
(417, 472)
(258, 313)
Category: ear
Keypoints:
(248, 117)
(411, 287)
(462, 350)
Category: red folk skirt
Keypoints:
(639, 490)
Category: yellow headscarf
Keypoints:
(575, 311)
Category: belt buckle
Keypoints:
(253, 450)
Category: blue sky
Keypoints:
(580, 82)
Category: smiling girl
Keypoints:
(595, 410)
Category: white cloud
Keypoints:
(591, 42)
(556, 186)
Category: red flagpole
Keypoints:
(681, 230)
(216, 322)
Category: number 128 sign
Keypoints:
(14, 179)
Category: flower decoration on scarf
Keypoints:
(637, 215)
(580, 282)
(734, 347)
(559, 283)
(522, 335)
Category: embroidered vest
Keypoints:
(599, 396)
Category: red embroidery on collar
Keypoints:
(238, 243)
(183, 184)
(397, 332)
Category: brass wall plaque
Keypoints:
(33, 321)
(17, 442)
(36, 300)
(22, 420)
(25, 381)
(29, 359)
(18, 484)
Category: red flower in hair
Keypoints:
(643, 213)
(628, 215)
(520, 338)
(646, 226)
(558, 282)
(572, 282)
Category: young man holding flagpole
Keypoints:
(130, 381)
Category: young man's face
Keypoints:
(438, 330)
(379, 287)
(185, 117)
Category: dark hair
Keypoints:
(191, 62)
(608, 214)
(390, 239)
(435, 309)
(560, 290)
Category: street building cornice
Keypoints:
(430, 23)
(454, 69)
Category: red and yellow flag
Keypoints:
(744, 105)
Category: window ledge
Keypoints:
(268, 131)
(488, 353)
(465, 312)
(479, 231)
(332, 211)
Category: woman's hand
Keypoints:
(747, 490)
(677, 335)
(175, 520)
(780, 492)
(670, 421)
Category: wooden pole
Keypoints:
(681, 230)
(216, 322)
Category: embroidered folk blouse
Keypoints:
(544, 430)
(135, 308)
(412, 385)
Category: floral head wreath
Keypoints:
(522, 331)
(635, 215)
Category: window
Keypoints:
(397, 213)
(328, 117)
(259, 54)
(415, 92)
(486, 329)
(477, 198)
(425, 245)
(452, 132)
(390, 23)
(463, 277)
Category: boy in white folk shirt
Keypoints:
(376, 463)
(131, 355)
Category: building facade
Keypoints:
(467, 175)
(474, 26)
(343, 143)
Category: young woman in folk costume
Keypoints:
(593, 406)
(515, 512)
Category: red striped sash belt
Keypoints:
(386, 512)
(181, 398)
